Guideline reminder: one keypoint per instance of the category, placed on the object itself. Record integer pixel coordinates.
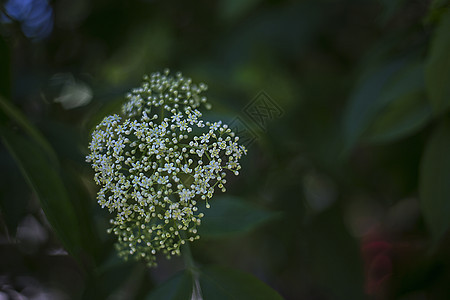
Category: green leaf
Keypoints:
(391, 7)
(106, 279)
(22, 121)
(214, 283)
(437, 9)
(46, 181)
(366, 102)
(217, 283)
(5, 70)
(11, 187)
(178, 287)
(408, 110)
(233, 9)
(438, 3)
(334, 259)
(114, 276)
(404, 117)
(434, 185)
(437, 72)
(229, 216)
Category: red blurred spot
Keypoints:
(378, 265)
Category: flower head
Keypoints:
(156, 161)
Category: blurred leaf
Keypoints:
(178, 287)
(96, 115)
(437, 71)
(438, 3)
(267, 32)
(229, 216)
(408, 110)
(334, 256)
(390, 8)
(223, 283)
(45, 180)
(5, 70)
(366, 102)
(65, 141)
(82, 204)
(434, 187)
(215, 283)
(22, 121)
(146, 47)
(233, 9)
(11, 187)
(404, 117)
(112, 276)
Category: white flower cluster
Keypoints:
(157, 161)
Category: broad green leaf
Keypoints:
(437, 71)
(178, 287)
(22, 121)
(366, 102)
(404, 117)
(407, 111)
(434, 185)
(45, 180)
(229, 216)
(218, 283)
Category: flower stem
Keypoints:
(187, 257)
(191, 267)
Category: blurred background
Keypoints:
(343, 105)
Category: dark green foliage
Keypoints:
(224, 283)
(438, 67)
(232, 216)
(46, 182)
(344, 193)
(214, 283)
(434, 188)
(178, 287)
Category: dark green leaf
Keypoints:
(230, 216)
(404, 117)
(178, 287)
(366, 102)
(437, 72)
(45, 180)
(5, 70)
(334, 256)
(408, 110)
(233, 9)
(437, 9)
(391, 7)
(438, 3)
(22, 121)
(11, 187)
(96, 115)
(108, 277)
(434, 181)
(219, 283)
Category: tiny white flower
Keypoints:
(153, 171)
